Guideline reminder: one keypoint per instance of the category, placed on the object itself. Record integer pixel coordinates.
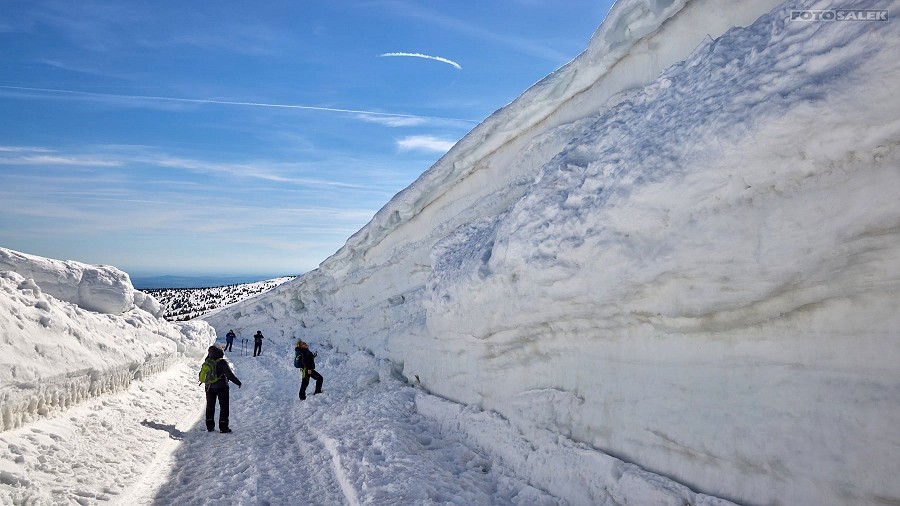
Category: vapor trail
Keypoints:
(427, 57)
(228, 102)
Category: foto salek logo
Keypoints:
(840, 15)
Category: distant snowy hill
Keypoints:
(169, 281)
(682, 248)
(181, 304)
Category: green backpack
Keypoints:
(208, 374)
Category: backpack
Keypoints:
(298, 361)
(208, 374)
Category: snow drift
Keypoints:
(682, 248)
(71, 331)
(98, 288)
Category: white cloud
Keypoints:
(71, 160)
(392, 122)
(425, 142)
(425, 56)
(24, 149)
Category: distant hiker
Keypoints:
(307, 361)
(216, 380)
(229, 340)
(257, 343)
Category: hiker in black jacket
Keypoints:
(219, 390)
(257, 343)
(308, 359)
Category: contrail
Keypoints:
(229, 102)
(427, 57)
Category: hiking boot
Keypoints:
(302, 396)
(210, 426)
(226, 430)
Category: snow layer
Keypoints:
(691, 265)
(98, 288)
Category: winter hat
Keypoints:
(215, 352)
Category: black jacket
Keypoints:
(223, 371)
(307, 358)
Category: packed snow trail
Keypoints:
(360, 442)
(265, 460)
(100, 449)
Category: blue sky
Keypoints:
(211, 138)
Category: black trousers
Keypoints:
(257, 348)
(211, 395)
(305, 383)
(228, 345)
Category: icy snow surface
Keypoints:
(682, 249)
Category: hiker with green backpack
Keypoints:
(215, 373)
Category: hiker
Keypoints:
(229, 340)
(219, 390)
(257, 343)
(308, 361)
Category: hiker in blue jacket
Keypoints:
(308, 359)
(219, 390)
(229, 340)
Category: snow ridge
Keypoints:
(58, 353)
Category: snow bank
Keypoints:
(682, 249)
(58, 351)
(590, 477)
(99, 288)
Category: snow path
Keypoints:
(270, 458)
(363, 441)
(96, 451)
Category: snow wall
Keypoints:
(98, 288)
(71, 331)
(682, 248)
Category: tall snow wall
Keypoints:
(682, 248)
